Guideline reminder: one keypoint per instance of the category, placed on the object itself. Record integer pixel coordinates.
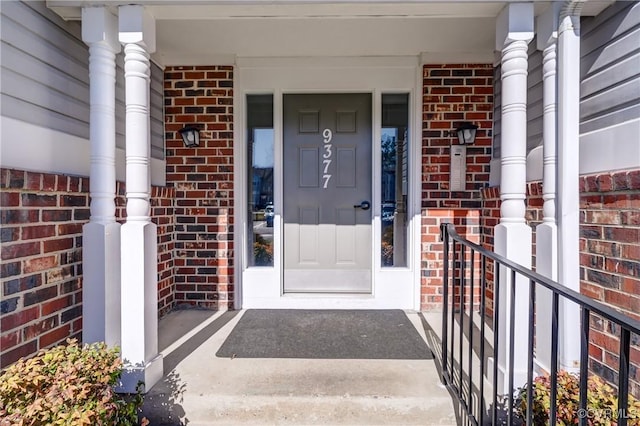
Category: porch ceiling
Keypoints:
(205, 32)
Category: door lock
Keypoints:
(365, 205)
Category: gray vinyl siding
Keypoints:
(610, 68)
(45, 75)
(44, 67)
(610, 76)
(497, 111)
(157, 112)
(534, 97)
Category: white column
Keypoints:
(547, 231)
(139, 235)
(568, 177)
(101, 236)
(514, 31)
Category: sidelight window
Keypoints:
(394, 185)
(260, 148)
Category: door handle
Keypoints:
(365, 205)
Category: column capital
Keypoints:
(100, 25)
(514, 23)
(547, 25)
(137, 26)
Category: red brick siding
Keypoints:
(41, 258)
(42, 218)
(203, 180)
(610, 262)
(162, 214)
(491, 217)
(451, 94)
(609, 256)
(467, 225)
(533, 214)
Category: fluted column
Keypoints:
(547, 231)
(139, 235)
(514, 31)
(514, 63)
(101, 236)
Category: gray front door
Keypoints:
(327, 193)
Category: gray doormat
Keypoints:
(325, 334)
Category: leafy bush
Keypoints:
(262, 251)
(66, 385)
(387, 246)
(602, 401)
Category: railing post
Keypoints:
(444, 235)
(561, 296)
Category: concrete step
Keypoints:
(203, 389)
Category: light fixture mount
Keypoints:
(190, 136)
(466, 132)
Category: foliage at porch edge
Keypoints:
(602, 402)
(67, 384)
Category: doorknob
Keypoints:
(365, 205)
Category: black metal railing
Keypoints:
(470, 314)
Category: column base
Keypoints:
(101, 288)
(140, 306)
(519, 377)
(145, 376)
(513, 241)
(547, 265)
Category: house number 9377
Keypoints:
(326, 156)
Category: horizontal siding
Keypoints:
(610, 68)
(120, 102)
(497, 111)
(157, 112)
(44, 67)
(534, 97)
(45, 75)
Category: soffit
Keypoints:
(192, 32)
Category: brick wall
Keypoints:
(162, 214)
(42, 218)
(489, 219)
(451, 94)
(610, 263)
(203, 180)
(609, 256)
(41, 258)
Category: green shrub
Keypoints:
(262, 251)
(602, 402)
(66, 385)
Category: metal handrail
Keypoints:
(587, 305)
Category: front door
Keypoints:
(327, 193)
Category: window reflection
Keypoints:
(260, 179)
(395, 120)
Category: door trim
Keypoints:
(262, 287)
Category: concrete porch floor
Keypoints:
(200, 388)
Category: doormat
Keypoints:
(322, 334)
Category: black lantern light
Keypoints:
(190, 136)
(466, 133)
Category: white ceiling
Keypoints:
(182, 42)
(204, 32)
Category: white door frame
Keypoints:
(262, 287)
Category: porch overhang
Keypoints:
(210, 32)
